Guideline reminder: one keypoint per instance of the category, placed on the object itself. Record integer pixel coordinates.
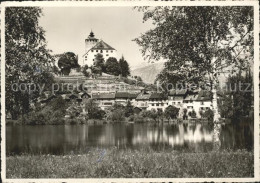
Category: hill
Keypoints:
(148, 72)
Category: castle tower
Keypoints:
(90, 41)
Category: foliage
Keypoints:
(171, 112)
(192, 114)
(237, 100)
(124, 67)
(93, 111)
(199, 43)
(208, 114)
(185, 116)
(129, 109)
(27, 58)
(99, 62)
(153, 114)
(52, 113)
(67, 61)
(85, 71)
(112, 66)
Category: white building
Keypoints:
(94, 46)
(157, 101)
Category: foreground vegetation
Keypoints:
(112, 162)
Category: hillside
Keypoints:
(148, 72)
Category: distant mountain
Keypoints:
(148, 72)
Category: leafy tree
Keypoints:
(199, 43)
(208, 114)
(129, 109)
(93, 111)
(171, 112)
(112, 66)
(124, 67)
(237, 100)
(99, 62)
(27, 58)
(185, 116)
(68, 61)
(192, 114)
(85, 71)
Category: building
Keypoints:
(104, 100)
(202, 102)
(157, 101)
(94, 46)
(176, 97)
(142, 100)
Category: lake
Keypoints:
(64, 139)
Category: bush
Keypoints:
(208, 114)
(138, 119)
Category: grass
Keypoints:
(115, 163)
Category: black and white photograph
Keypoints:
(127, 90)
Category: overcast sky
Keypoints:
(67, 28)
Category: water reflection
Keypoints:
(72, 139)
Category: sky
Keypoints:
(68, 27)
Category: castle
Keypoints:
(94, 46)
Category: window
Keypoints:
(179, 102)
(107, 55)
(93, 59)
(111, 51)
(152, 104)
(202, 103)
(162, 105)
(96, 50)
(173, 102)
(157, 104)
(91, 50)
(202, 108)
(101, 51)
(107, 51)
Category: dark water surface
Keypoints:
(65, 139)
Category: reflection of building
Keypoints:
(94, 46)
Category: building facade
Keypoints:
(94, 46)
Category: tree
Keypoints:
(171, 112)
(237, 100)
(28, 61)
(192, 114)
(99, 62)
(68, 61)
(129, 109)
(112, 66)
(85, 71)
(93, 111)
(208, 114)
(124, 67)
(199, 43)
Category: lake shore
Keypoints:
(142, 163)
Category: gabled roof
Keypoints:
(157, 96)
(143, 96)
(122, 95)
(103, 96)
(204, 95)
(101, 45)
(191, 97)
(178, 92)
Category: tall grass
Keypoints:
(115, 163)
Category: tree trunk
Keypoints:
(216, 119)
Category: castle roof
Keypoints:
(101, 45)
